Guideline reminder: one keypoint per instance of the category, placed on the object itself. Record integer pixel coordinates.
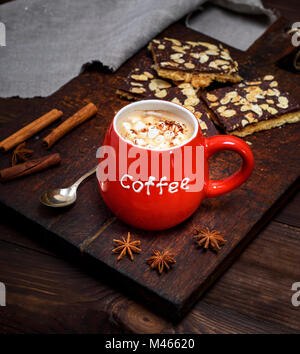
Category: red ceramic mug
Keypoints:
(157, 189)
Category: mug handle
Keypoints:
(217, 143)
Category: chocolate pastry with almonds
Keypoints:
(143, 83)
(252, 106)
(199, 63)
(185, 95)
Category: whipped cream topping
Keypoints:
(155, 129)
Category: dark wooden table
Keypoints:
(48, 293)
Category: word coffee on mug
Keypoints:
(155, 129)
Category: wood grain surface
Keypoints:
(47, 293)
(259, 302)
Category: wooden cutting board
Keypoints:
(89, 227)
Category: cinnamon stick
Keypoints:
(29, 167)
(29, 130)
(78, 118)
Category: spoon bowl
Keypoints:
(59, 197)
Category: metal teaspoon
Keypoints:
(61, 197)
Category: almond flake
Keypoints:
(168, 63)
(190, 108)
(133, 83)
(191, 101)
(209, 45)
(212, 52)
(268, 77)
(189, 65)
(253, 82)
(188, 91)
(251, 98)
(244, 122)
(246, 107)
(272, 110)
(283, 102)
(178, 49)
(174, 41)
(158, 83)
(221, 109)
(225, 56)
(264, 106)
(203, 58)
(236, 99)
(228, 97)
(271, 92)
(221, 62)
(256, 109)
(160, 93)
(195, 55)
(161, 47)
(185, 85)
(211, 97)
(152, 85)
(141, 77)
(253, 89)
(203, 125)
(228, 113)
(193, 44)
(179, 61)
(149, 75)
(137, 90)
(176, 56)
(260, 96)
(212, 64)
(176, 100)
(274, 84)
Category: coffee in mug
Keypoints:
(155, 129)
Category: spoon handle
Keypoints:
(90, 172)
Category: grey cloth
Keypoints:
(237, 29)
(47, 42)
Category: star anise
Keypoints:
(161, 260)
(210, 238)
(20, 154)
(126, 246)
